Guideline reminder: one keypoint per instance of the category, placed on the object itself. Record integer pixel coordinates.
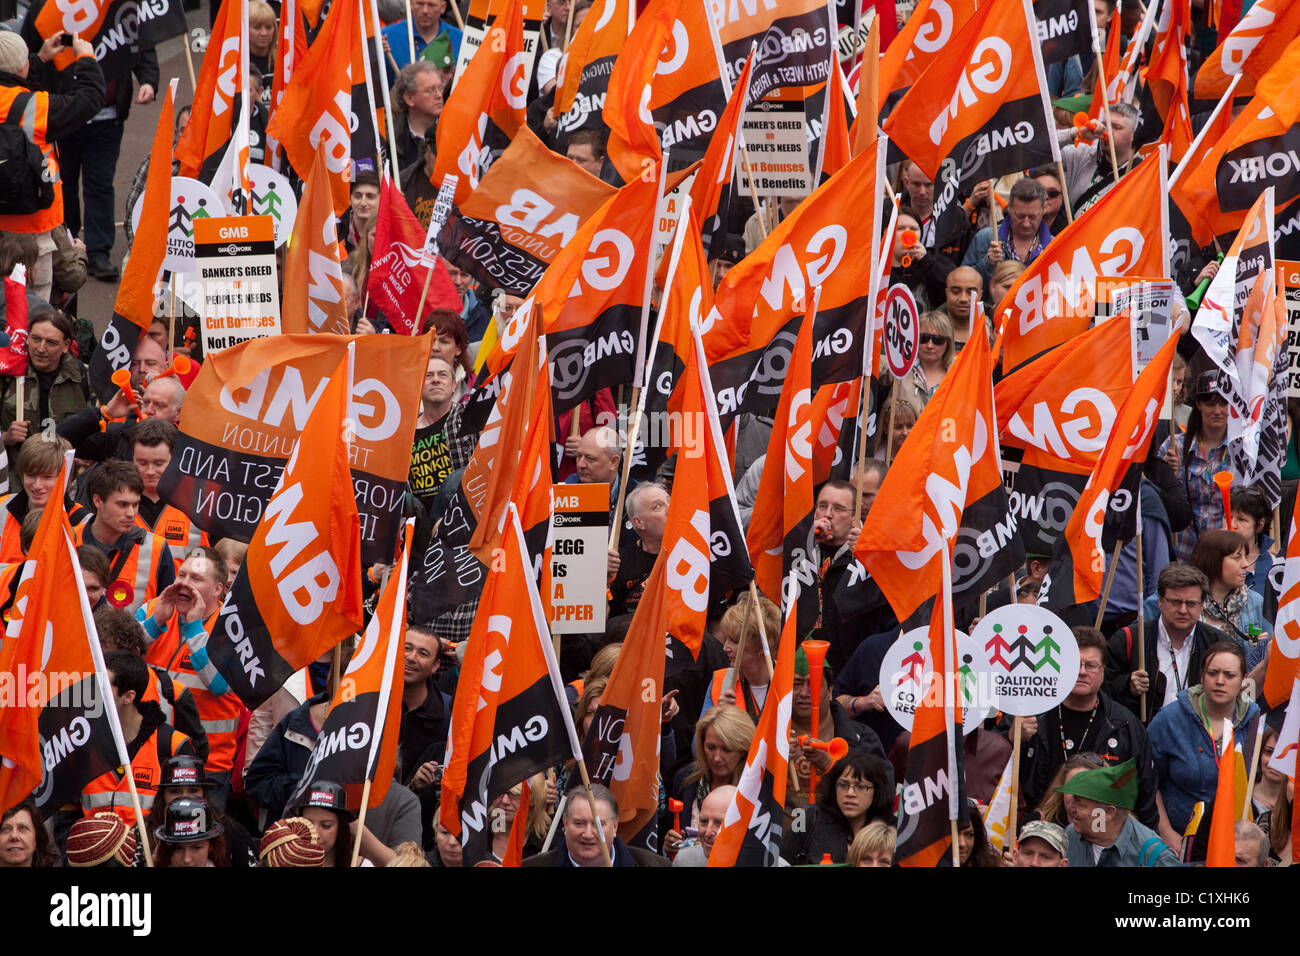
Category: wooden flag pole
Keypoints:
(762, 631)
(189, 64)
(893, 411)
(1065, 193)
(455, 12)
(1250, 774)
(171, 322)
(568, 27)
(410, 43)
(1016, 731)
(637, 397)
(1141, 622)
(1110, 579)
(864, 405)
(20, 398)
(595, 814)
(361, 821)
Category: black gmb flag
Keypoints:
(358, 741)
(1064, 28)
(510, 718)
(980, 110)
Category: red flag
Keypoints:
(218, 86)
(751, 828)
(487, 105)
(13, 357)
(398, 272)
(315, 112)
(298, 592)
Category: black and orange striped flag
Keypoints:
(313, 298)
(216, 95)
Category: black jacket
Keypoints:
(1116, 734)
(861, 676)
(624, 856)
(271, 778)
(1122, 660)
(69, 111)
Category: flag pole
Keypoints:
(410, 43)
(951, 726)
(383, 89)
(1141, 622)
(361, 820)
(1196, 143)
(1016, 731)
(455, 11)
(1105, 98)
(101, 671)
(1250, 772)
(869, 355)
(1110, 579)
(568, 27)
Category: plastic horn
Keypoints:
(1080, 120)
(1224, 480)
(676, 806)
(182, 363)
(189, 338)
(909, 238)
(837, 747)
(122, 379)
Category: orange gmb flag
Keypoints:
(780, 535)
(1215, 128)
(313, 279)
(1166, 76)
(292, 40)
(603, 33)
(1221, 848)
(1101, 512)
(487, 106)
(831, 241)
(316, 111)
(134, 308)
(1052, 300)
(634, 146)
(714, 180)
(1250, 50)
(980, 109)
(217, 89)
(751, 828)
(928, 32)
(298, 592)
(947, 473)
(510, 718)
(358, 741)
(83, 18)
(1223, 186)
(55, 735)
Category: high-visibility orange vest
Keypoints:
(175, 527)
(11, 549)
(219, 714)
(34, 120)
(110, 790)
(136, 582)
(746, 702)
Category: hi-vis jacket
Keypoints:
(175, 527)
(182, 651)
(158, 741)
(141, 574)
(46, 119)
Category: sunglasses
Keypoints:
(1053, 194)
(928, 339)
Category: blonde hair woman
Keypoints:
(722, 739)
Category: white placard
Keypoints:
(1032, 655)
(906, 675)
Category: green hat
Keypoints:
(1075, 104)
(801, 665)
(1117, 785)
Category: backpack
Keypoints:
(24, 184)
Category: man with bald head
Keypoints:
(963, 282)
(713, 810)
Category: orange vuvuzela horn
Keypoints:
(837, 747)
(1224, 480)
(909, 238)
(122, 379)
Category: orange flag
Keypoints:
(1166, 76)
(866, 125)
(1090, 526)
(1254, 45)
(316, 111)
(510, 718)
(1111, 63)
(751, 828)
(1052, 301)
(1215, 128)
(603, 33)
(313, 279)
(487, 105)
(948, 467)
(298, 592)
(55, 732)
(358, 741)
(292, 49)
(929, 31)
(835, 148)
(714, 179)
(633, 145)
(1221, 849)
(217, 89)
(1284, 651)
(134, 308)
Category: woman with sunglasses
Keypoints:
(1196, 457)
(935, 352)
